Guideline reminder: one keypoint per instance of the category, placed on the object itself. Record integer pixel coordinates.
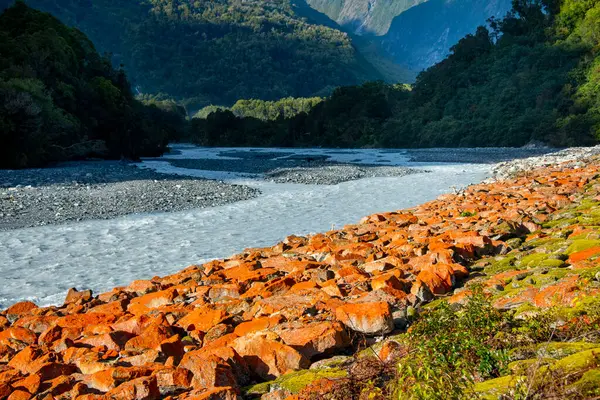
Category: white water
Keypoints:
(42, 263)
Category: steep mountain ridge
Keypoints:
(364, 16)
(413, 34)
(423, 35)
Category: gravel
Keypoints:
(102, 190)
(571, 157)
(334, 174)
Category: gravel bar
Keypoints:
(102, 190)
(334, 174)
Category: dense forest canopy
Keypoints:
(533, 75)
(217, 51)
(266, 110)
(60, 100)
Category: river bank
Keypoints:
(92, 190)
(294, 318)
(81, 191)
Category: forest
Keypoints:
(531, 76)
(60, 100)
(206, 52)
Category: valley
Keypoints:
(196, 199)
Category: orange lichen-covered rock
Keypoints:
(111, 378)
(17, 334)
(584, 255)
(206, 331)
(173, 380)
(202, 319)
(77, 297)
(31, 384)
(145, 388)
(218, 393)
(367, 318)
(82, 321)
(258, 324)
(315, 339)
(150, 338)
(17, 310)
(19, 395)
(439, 278)
(268, 358)
(143, 304)
(208, 370)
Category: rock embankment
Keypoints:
(244, 324)
(103, 190)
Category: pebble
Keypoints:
(335, 174)
(79, 191)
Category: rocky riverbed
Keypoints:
(103, 190)
(334, 174)
(571, 157)
(292, 320)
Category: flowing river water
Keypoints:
(42, 263)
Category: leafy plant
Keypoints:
(451, 349)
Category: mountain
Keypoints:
(60, 100)
(413, 34)
(532, 76)
(217, 51)
(364, 16)
(423, 35)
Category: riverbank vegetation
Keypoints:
(532, 76)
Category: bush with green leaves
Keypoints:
(450, 348)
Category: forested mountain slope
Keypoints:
(60, 100)
(217, 51)
(413, 34)
(423, 35)
(533, 75)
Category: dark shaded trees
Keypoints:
(60, 100)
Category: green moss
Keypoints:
(258, 389)
(578, 361)
(589, 384)
(295, 381)
(561, 223)
(532, 260)
(521, 367)
(581, 245)
(586, 204)
(525, 308)
(541, 260)
(552, 263)
(594, 234)
(555, 244)
(589, 220)
(500, 264)
(494, 388)
(553, 275)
